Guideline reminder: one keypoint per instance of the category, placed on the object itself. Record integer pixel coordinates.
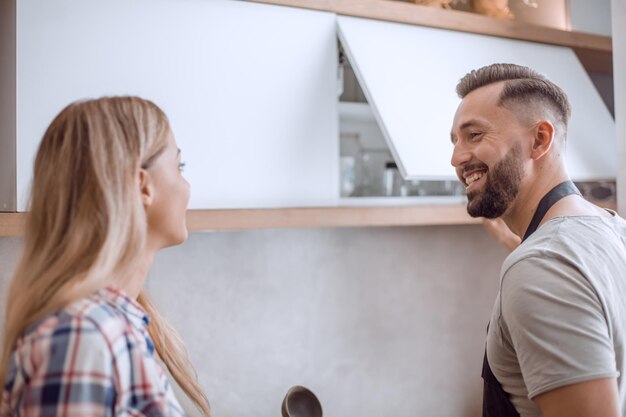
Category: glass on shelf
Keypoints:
(350, 151)
(372, 172)
(373, 163)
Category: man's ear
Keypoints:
(543, 137)
(146, 187)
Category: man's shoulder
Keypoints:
(570, 238)
(578, 256)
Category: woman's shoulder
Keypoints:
(96, 322)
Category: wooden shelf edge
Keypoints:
(403, 12)
(215, 220)
(12, 224)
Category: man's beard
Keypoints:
(500, 188)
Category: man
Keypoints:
(555, 342)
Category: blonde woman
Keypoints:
(81, 337)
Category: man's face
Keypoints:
(488, 152)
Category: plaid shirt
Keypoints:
(93, 358)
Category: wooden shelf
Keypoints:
(12, 224)
(595, 51)
(209, 220)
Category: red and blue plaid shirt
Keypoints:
(93, 358)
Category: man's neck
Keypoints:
(521, 212)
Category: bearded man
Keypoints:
(557, 335)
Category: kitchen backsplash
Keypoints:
(376, 321)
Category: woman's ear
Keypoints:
(146, 187)
(543, 137)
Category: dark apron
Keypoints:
(496, 401)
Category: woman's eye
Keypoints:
(181, 166)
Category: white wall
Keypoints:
(618, 11)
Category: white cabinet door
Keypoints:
(409, 73)
(250, 89)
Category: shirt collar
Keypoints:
(128, 305)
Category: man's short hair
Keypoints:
(523, 85)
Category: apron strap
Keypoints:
(562, 190)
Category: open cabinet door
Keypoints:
(409, 74)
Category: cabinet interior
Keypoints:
(366, 165)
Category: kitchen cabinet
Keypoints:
(408, 74)
(214, 66)
(250, 89)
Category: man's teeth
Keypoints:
(474, 177)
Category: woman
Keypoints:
(80, 334)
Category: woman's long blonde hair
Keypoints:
(87, 224)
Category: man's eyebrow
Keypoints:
(469, 123)
(464, 125)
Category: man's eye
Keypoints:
(474, 135)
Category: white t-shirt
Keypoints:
(560, 315)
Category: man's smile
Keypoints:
(473, 180)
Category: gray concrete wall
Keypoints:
(376, 321)
(9, 252)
